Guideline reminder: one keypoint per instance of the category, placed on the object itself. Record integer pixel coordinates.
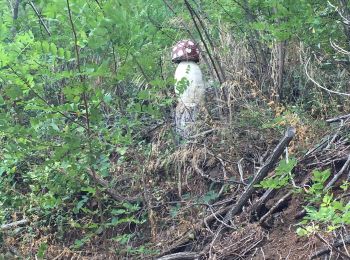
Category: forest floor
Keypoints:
(192, 189)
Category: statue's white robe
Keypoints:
(190, 88)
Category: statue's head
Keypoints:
(185, 50)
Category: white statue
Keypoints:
(189, 86)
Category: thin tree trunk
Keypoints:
(15, 16)
(278, 76)
(15, 10)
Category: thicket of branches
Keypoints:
(89, 164)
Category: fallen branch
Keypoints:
(229, 210)
(14, 224)
(337, 176)
(334, 246)
(281, 201)
(320, 86)
(257, 206)
(338, 118)
(262, 173)
(185, 238)
(214, 179)
(326, 250)
(272, 209)
(180, 256)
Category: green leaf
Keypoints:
(67, 55)
(118, 211)
(122, 150)
(89, 189)
(42, 250)
(53, 48)
(107, 98)
(46, 47)
(301, 232)
(61, 53)
(13, 92)
(54, 126)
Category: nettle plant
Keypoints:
(323, 211)
(282, 177)
(328, 212)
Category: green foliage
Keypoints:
(42, 250)
(78, 99)
(330, 213)
(181, 85)
(63, 115)
(319, 178)
(281, 177)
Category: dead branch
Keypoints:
(338, 118)
(40, 18)
(262, 173)
(180, 256)
(263, 199)
(272, 209)
(337, 176)
(15, 10)
(188, 30)
(15, 16)
(330, 247)
(319, 85)
(216, 180)
(256, 208)
(214, 59)
(14, 224)
(191, 11)
(338, 243)
(338, 48)
(184, 238)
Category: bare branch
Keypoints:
(336, 177)
(14, 224)
(192, 14)
(40, 18)
(319, 85)
(331, 247)
(345, 20)
(181, 255)
(261, 174)
(338, 48)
